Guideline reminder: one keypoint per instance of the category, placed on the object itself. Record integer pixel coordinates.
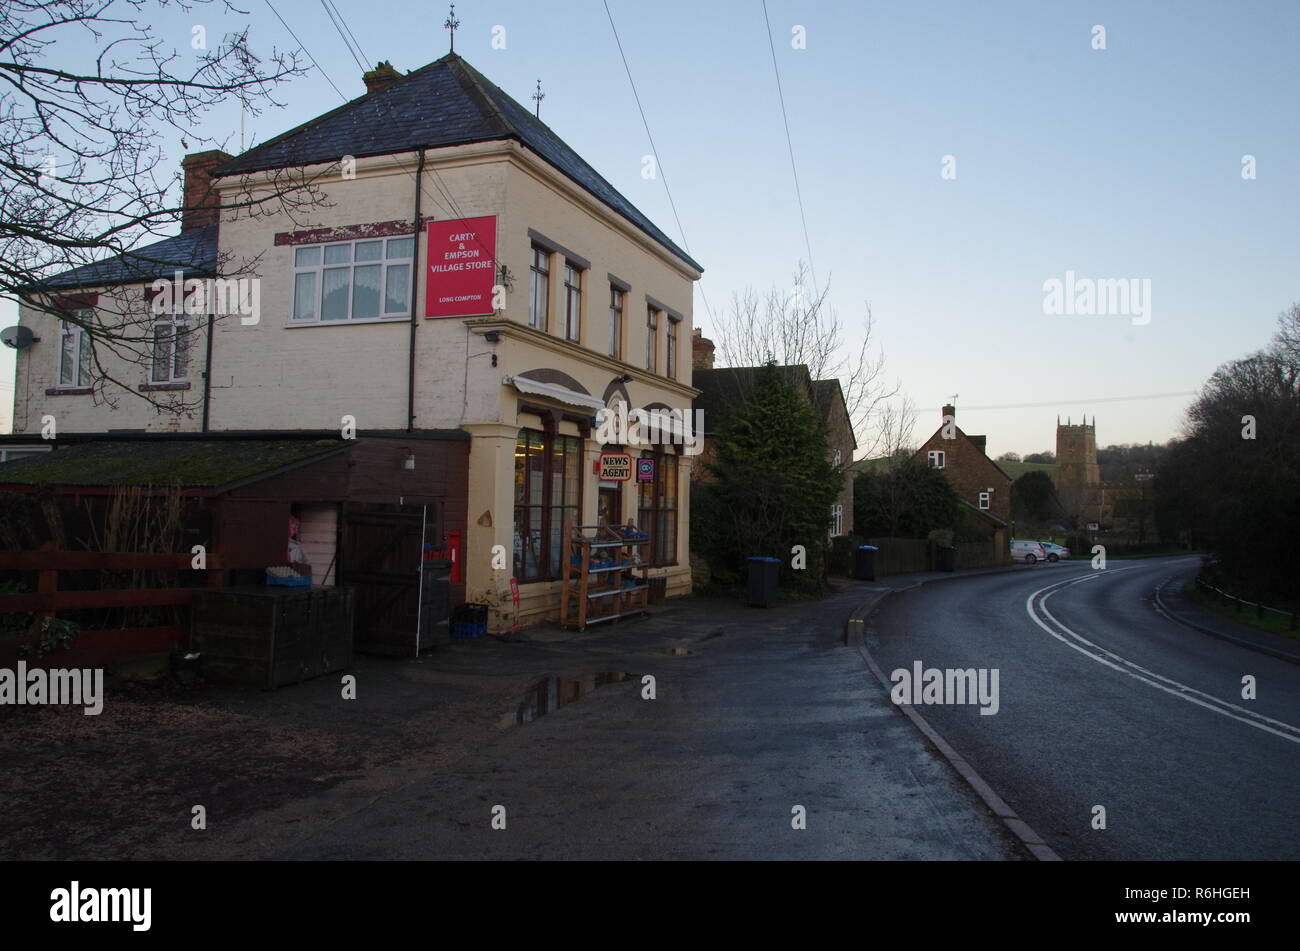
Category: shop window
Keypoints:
(548, 491)
(657, 509)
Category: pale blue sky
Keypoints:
(1122, 163)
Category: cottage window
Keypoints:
(74, 352)
(572, 301)
(937, 458)
(657, 509)
(353, 280)
(539, 288)
(548, 491)
(839, 456)
(615, 322)
(837, 519)
(984, 500)
(171, 351)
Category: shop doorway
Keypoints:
(609, 504)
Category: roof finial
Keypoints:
(450, 26)
(538, 97)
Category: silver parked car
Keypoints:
(1055, 552)
(1028, 552)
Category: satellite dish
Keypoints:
(18, 338)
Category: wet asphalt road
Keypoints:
(1104, 701)
(767, 712)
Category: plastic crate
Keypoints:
(469, 621)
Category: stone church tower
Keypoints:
(1076, 453)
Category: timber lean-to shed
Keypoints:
(368, 506)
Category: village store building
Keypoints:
(466, 271)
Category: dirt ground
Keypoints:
(123, 784)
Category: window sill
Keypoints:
(69, 391)
(295, 324)
(156, 387)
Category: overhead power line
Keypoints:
(1069, 402)
(659, 165)
(339, 28)
(794, 169)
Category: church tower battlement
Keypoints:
(1076, 453)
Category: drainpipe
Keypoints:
(415, 283)
(207, 376)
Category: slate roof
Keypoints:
(194, 253)
(187, 463)
(445, 103)
(723, 389)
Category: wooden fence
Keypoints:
(897, 556)
(90, 648)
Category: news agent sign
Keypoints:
(614, 467)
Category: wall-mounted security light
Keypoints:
(625, 378)
(409, 463)
(492, 336)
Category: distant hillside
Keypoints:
(1013, 469)
(1017, 469)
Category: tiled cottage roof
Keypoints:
(194, 253)
(445, 103)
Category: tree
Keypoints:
(1047, 457)
(1235, 477)
(800, 328)
(1009, 457)
(1033, 498)
(774, 479)
(82, 145)
(908, 500)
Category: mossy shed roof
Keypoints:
(185, 463)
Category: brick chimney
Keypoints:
(948, 410)
(380, 78)
(202, 204)
(701, 351)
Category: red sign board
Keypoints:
(614, 467)
(461, 267)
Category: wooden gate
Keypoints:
(381, 556)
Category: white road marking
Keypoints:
(1137, 672)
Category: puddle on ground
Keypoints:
(547, 696)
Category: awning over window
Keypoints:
(552, 391)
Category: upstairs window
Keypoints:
(353, 280)
(651, 338)
(615, 322)
(539, 288)
(171, 351)
(572, 302)
(937, 458)
(74, 352)
(984, 500)
(837, 520)
(839, 457)
(672, 349)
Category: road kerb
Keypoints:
(1031, 840)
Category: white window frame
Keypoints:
(839, 457)
(81, 366)
(937, 458)
(986, 501)
(837, 520)
(670, 349)
(180, 344)
(385, 264)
